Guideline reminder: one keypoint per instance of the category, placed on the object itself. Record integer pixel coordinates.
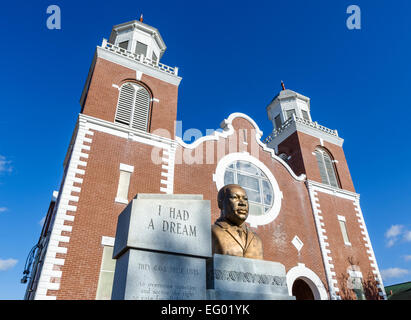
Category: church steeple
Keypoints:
(286, 104)
(139, 38)
(135, 81)
(300, 140)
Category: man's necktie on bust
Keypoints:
(241, 232)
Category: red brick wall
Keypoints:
(301, 146)
(291, 147)
(97, 212)
(344, 255)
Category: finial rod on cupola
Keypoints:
(282, 85)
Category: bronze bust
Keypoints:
(230, 234)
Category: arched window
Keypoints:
(133, 107)
(263, 192)
(254, 182)
(326, 167)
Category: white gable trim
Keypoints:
(228, 130)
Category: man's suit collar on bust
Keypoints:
(225, 224)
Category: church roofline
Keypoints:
(228, 130)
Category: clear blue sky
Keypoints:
(232, 56)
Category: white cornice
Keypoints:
(309, 130)
(125, 132)
(317, 186)
(319, 134)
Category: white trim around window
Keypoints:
(343, 228)
(218, 177)
(124, 183)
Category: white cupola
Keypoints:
(287, 103)
(139, 38)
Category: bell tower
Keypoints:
(316, 151)
(298, 140)
(128, 85)
(122, 144)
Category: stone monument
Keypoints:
(165, 249)
(161, 246)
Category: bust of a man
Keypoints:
(230, 234)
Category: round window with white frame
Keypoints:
(264, 195)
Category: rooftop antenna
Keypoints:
(282, 85)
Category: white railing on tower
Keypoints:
(305, 122)
(139, 57)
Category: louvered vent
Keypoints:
(125, 104)
(330, 170)
(141, 109)
(133, 106)
(321, 166)
(326, 167)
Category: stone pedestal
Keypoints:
(238, 278)
(146, 275)
(161, 246)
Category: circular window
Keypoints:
(264, 194)
(254, 182)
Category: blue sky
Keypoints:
(232, 57)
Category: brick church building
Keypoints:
(302, 200)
